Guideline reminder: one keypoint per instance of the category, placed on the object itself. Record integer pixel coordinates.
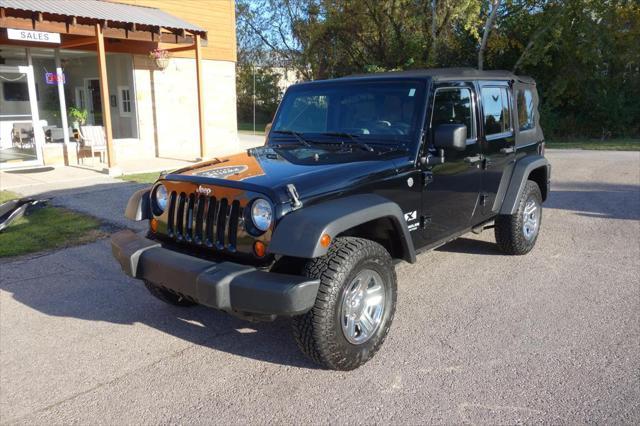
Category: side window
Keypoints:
(124, 98)
(453, 105)
(525, 109)
(495, 103)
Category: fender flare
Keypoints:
(298, 233)
(521, 172)
(139, 205)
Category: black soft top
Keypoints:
(437, 74)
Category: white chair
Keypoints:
(94, 140)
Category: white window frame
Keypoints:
(121, 101)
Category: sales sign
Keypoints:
(37, 36)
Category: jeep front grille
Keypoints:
(203, 220)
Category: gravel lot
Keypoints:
(478, 337)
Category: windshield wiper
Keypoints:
(353, 138)
(298, 136)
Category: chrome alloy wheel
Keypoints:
(531, 219)
(362, 306)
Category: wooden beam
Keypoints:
(203, 148)
(104, 95)
(79, 42)
(182, 48)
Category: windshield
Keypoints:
(374, 111)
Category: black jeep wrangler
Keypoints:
(356, 174)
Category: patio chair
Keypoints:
(93, 139)
(22, 135)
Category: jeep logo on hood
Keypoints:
(223, 172)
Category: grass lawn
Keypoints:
(596, 144)
(141, 177)
(46, 228)
(8, 195)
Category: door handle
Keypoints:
(508, 150)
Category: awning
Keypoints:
(111, 13)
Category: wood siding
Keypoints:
(215, 16)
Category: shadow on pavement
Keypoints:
(86, 283)
(599, 200)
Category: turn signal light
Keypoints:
(154, 225)
(325, 240)
(259, 248)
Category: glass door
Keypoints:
(21, 135)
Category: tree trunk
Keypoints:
(434, 26)
(487, 29)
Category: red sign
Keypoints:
(52, 78)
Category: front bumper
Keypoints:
(230, 287)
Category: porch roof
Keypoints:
(105, 11)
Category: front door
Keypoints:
(94, 101)
(451, 189)
(498, 141)
(21, 134)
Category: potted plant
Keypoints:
(79, 116)
(161, 57)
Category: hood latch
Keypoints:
(295, 198)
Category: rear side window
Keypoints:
(495, 102)
(525, 109)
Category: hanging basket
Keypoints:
(161, 57)
(162, 63)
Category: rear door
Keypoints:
(450, 190)
(497, 142)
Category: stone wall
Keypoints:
(168, 107)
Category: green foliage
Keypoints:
(79, 115)
(583, 54)
(267, 93)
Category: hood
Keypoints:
(314, 171)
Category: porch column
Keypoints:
(63, 101)
(104, 95)
(200, 97)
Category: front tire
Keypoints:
(516, 234)
(354, 307)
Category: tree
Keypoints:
(267, 93)
(583, 54)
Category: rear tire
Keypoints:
(354, 307)
(167, 296)
(516, 234)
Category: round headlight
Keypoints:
(261, 214)
(161, 198)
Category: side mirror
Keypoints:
(267, 129)
(451, 136)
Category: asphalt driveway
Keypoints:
(553, 336)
